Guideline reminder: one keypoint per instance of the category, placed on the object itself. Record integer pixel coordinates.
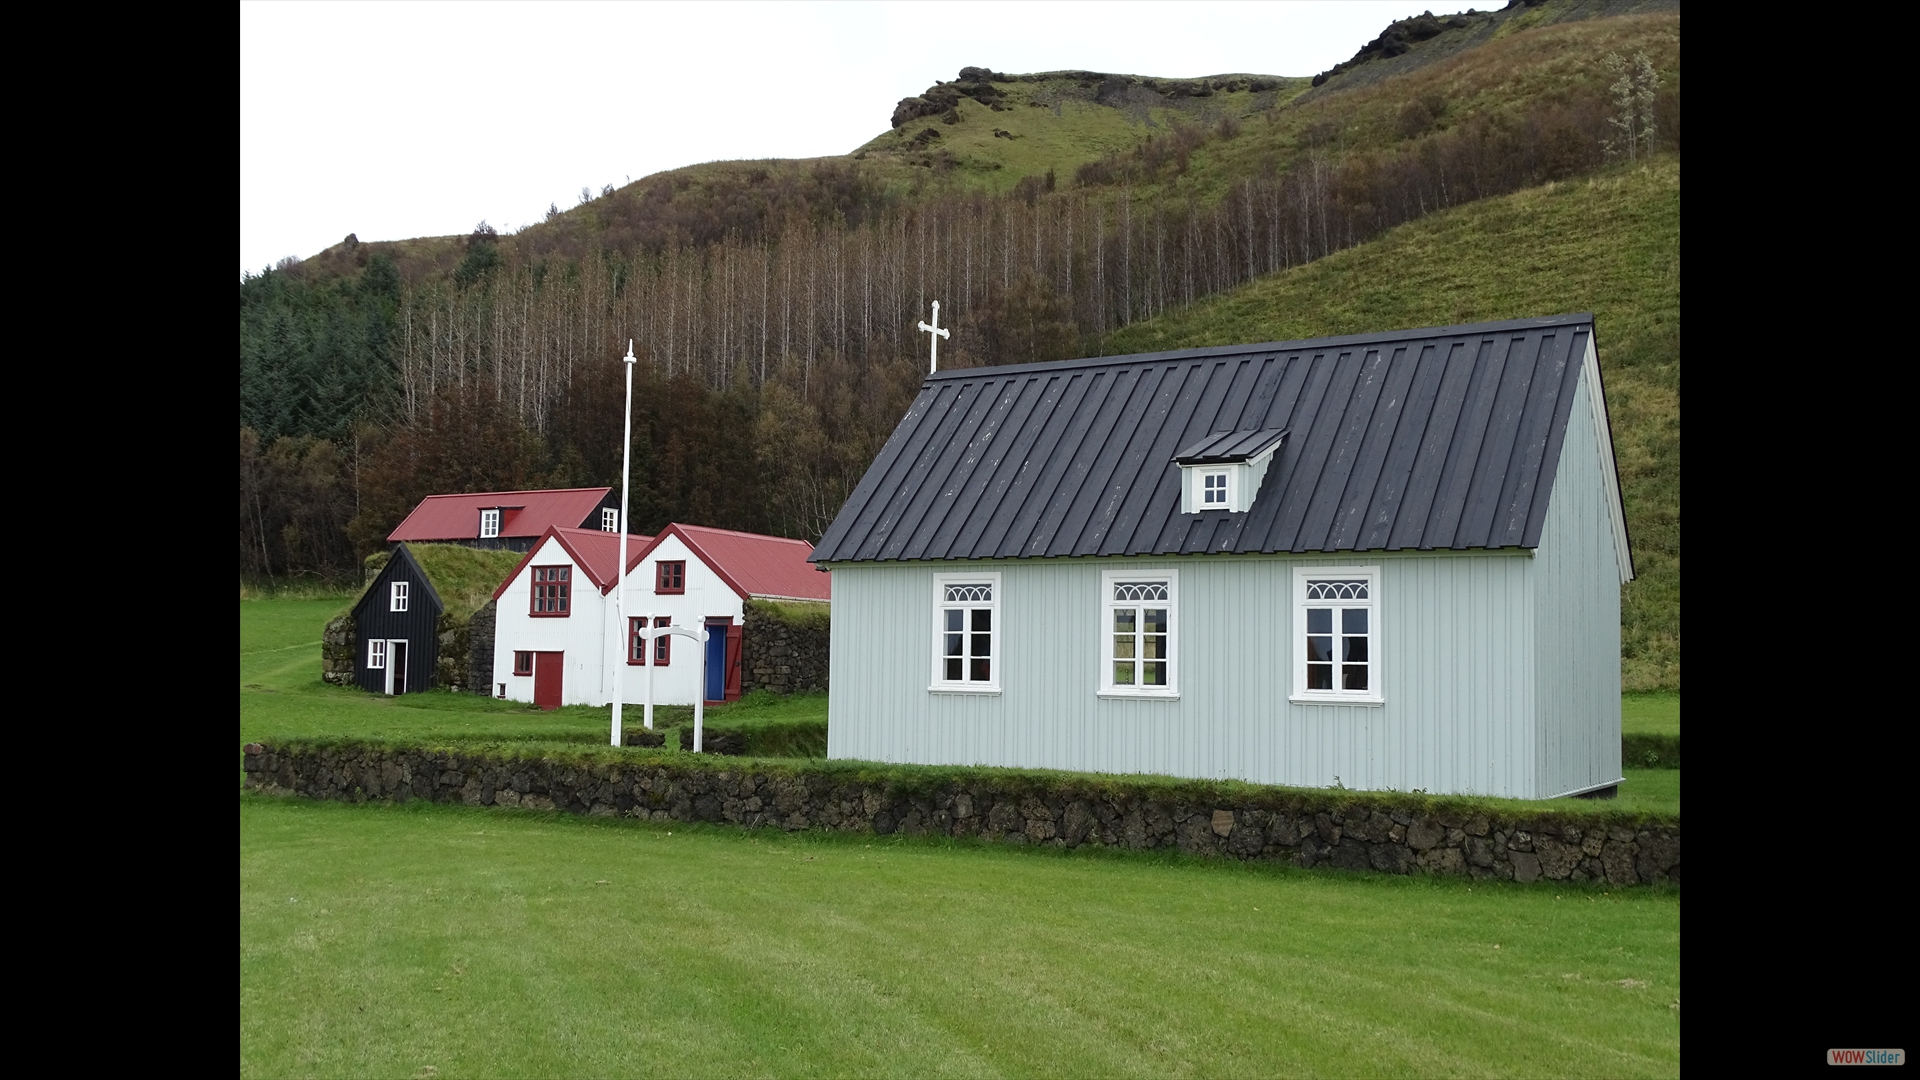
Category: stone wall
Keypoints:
(781, 657)
(1344, 830)
(452, 663)
(480, 649)
(338, 643)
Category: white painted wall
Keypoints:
(1456, 671)
(590, 637)
(707, 595)
(581, 635)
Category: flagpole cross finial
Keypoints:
(938, 332)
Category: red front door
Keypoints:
(547, 667)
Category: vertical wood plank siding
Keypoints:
(1578, 621)
(1456, 667)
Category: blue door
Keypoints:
(717, 660)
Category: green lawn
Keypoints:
(1656, 713)
(393, 941)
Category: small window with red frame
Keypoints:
(523, 663)
(552, 589)
(671, 577)
(637, 645)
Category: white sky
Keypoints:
(392, 120)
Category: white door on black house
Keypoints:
(396, 667)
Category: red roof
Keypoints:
(754, 565)
(596, 553)
(523, 513)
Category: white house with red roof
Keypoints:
(510, 520)
(556, 639)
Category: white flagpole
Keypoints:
(620, 571)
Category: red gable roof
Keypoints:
(755, 565)
(596, 553)
(524, 513)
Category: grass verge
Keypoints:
(384, 941)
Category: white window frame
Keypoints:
(376, 654)
(1108, 580)
(1374, 603)
(1225, 501)
(489, 524)
(609, 519)
(996, 657)
(396, 596)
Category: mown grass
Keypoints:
(390, 941)
(1609, 245)
(1655, 713)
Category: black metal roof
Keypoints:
(1230, 446)
(1434, 438)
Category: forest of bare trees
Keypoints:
(776, 360)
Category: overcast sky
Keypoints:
(393, 120)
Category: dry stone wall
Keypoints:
(781, 657)
(337, 645)
(480, 636)
(1335, 829)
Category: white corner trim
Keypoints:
(1609, 475)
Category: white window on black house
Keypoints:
(1214, 490)
(397, 596)
(966, 632)
(489, 524)
(609, 519)
(376, 655)
(1336, 633)
(1138, 634)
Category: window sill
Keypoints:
(980, 691)
(669, 592)
(548, 614)
(1140, 695)
(1372, 702)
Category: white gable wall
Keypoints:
(1456, 662)
(581, 635)
(707, 595)
(1577, 620)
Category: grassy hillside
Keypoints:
(1532, 66)
(1609, 245)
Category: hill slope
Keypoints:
(1609, 245)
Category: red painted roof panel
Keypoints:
(457, 517)
(765, 566)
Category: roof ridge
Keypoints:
(519, 491)
(1301, 345)
(738, 532)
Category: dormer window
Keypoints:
(489, 524)
(609, 519)
(1224, 470)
